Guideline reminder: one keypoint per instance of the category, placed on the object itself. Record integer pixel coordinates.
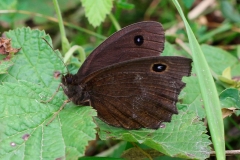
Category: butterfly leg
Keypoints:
(61, 108)
(50, 99)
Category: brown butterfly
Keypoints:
(126, 80)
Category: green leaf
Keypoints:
(191, 98)
(96, 11)
(230, 98)
(218, 59)
(36, 61)
(23, 120)
(31, 79)
(229, 12)
(235, 70)
(184, 137)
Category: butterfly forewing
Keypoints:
(138, 40)
(138, 93)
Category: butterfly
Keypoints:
(126, 80)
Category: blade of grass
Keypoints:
(224, 27)
(208, 90)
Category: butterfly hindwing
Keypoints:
(138, 93)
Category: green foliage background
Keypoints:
(29, 78)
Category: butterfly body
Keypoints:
(126, 80)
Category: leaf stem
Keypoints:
(114, 21)
(54, 20)
(82, 55)
(65, 43)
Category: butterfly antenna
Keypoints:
(56, 54)
(60, 85)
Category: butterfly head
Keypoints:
(74, 90)
(68, 79)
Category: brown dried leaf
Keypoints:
(228, 111)
(6, 48)
(139, 154)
